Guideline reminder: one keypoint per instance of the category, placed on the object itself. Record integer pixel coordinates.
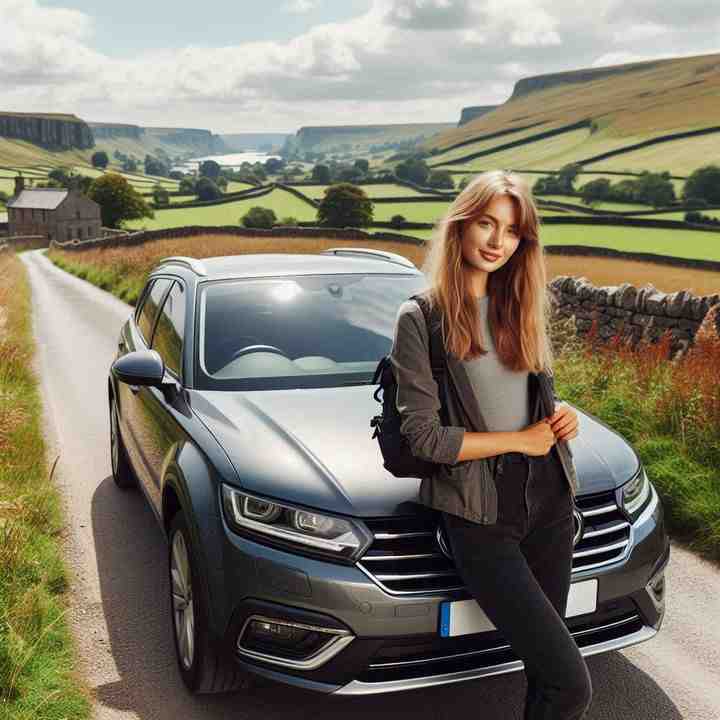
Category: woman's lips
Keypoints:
(489, 258)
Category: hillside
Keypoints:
(580, 115)
(248, 142)
(362, 138)
(139, 141)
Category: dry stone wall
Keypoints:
(633, 312)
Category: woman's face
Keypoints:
(494, 232)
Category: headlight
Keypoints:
(635, 494)
(306, 530)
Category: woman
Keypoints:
(487, 275)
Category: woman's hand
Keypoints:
(564, 422)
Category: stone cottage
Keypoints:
(56, 213)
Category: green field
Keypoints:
(316, 192)
(282, 202)
(694, 244)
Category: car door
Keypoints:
(140, 330)
(157, 426)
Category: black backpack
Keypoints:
(397, 457)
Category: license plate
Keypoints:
(461, 617)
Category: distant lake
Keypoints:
(233, 160)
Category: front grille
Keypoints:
(423, 656)
(406, 557)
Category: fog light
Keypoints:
(283, 642)
(656, 589)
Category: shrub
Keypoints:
(397, 220)
(259, 217)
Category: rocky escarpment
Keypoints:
(475, 111)
(634, 312)
(51, 131)
(309, 137)
(201, 141)
(525, 86)
(111, 131)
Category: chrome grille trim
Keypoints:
(404, 559)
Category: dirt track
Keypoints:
(120, 612)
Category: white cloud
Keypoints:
(379, 66)
(301, 6)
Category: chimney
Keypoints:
(19, 184)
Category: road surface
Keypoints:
(119, 611)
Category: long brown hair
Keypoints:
(518, 302)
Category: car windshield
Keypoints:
(305, 331)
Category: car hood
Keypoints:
(315, 447)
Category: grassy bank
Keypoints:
(36, 650)
(669, 411)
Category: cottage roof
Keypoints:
(38, 199)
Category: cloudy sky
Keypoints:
(275, 65)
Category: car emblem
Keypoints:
(579, 526)
(443, 543)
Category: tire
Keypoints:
(122, 473)
(204, 667)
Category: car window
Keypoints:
(149, 310)
(170, 329)
(297, 331)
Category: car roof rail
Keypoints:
(372, 253)
(197, 266)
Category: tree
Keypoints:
(321, 174)
(703, 183)
(187, 185)
(118, 200)
(274, 165)
(160, 195)
(289, 220)
(259, 217)
(130, 165)
(154, 166)
(397, 220)
(567, 175)
(654, 189)
(100, 159)
(345, 205)
(440, 179)
(209, 169)
(206, 189)
(60, 175)
(595, 190)
(413, 169)
(175, 175)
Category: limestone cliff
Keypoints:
(49, 130)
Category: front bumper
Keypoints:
(378, 642)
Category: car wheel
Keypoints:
(204, 667)
(122, 473)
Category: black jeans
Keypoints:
(519, 572)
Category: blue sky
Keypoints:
(278, 65)
(119, 32)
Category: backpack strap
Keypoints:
(432, 320)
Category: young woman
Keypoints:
(487, 274)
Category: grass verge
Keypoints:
(37, 654)
(668, 410)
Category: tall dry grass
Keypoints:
(36, 651)
(667, 407)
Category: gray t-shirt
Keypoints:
(502, 393)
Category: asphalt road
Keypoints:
(119, 608)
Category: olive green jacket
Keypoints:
(465, 488)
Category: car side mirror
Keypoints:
(141, 367)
